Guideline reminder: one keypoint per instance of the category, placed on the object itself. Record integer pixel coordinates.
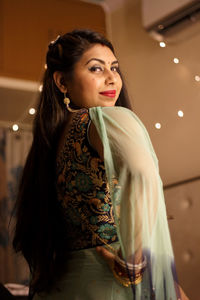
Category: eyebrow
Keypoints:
(101, 61)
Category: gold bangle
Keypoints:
(125, 280)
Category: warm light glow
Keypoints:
(158, 125)
(32, 111)
(180, 113)
(197, 78)
(15, 127)
(176, 60)
(40, 88)
(45, 66)
(162, 44)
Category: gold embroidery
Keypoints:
(83, 191)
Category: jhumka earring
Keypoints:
(67, 102)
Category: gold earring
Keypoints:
(67, 102)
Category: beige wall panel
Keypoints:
(183, 204)
(28, 27)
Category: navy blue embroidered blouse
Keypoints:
(83, 190)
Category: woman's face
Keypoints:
(96, 80)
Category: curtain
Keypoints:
(14, 147)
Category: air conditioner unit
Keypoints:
(171, 20)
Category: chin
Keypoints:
(109, 103)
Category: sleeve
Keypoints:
(137, 196)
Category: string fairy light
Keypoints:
(158, 125)
(162, 44)
(15, 127)
(180, 113)
(32, 111)
(176, 60)
(40, 88)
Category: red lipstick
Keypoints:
(110, 93)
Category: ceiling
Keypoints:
(158, 89)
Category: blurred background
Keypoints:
(157, 43)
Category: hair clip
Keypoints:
(52, 43)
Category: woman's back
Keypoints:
(87, 211)
(82, 188)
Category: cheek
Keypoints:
(86, 90)
(95, 81)
(87, 86)
(119, 85)
(119, 82)
(82, 87)
(92, 85)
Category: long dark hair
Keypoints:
(39, 228)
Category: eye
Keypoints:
(115, 69)
(96, 69)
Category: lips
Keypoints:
(110, 93)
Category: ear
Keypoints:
(59, 81)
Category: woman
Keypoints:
(91, 185)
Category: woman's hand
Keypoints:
(107, 255)
(109, 258)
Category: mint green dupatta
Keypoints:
(137, 197)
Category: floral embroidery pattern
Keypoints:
(83, 190)
(106, 231)
(83, 182)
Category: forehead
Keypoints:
(98, 51)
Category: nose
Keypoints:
(110, 78)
